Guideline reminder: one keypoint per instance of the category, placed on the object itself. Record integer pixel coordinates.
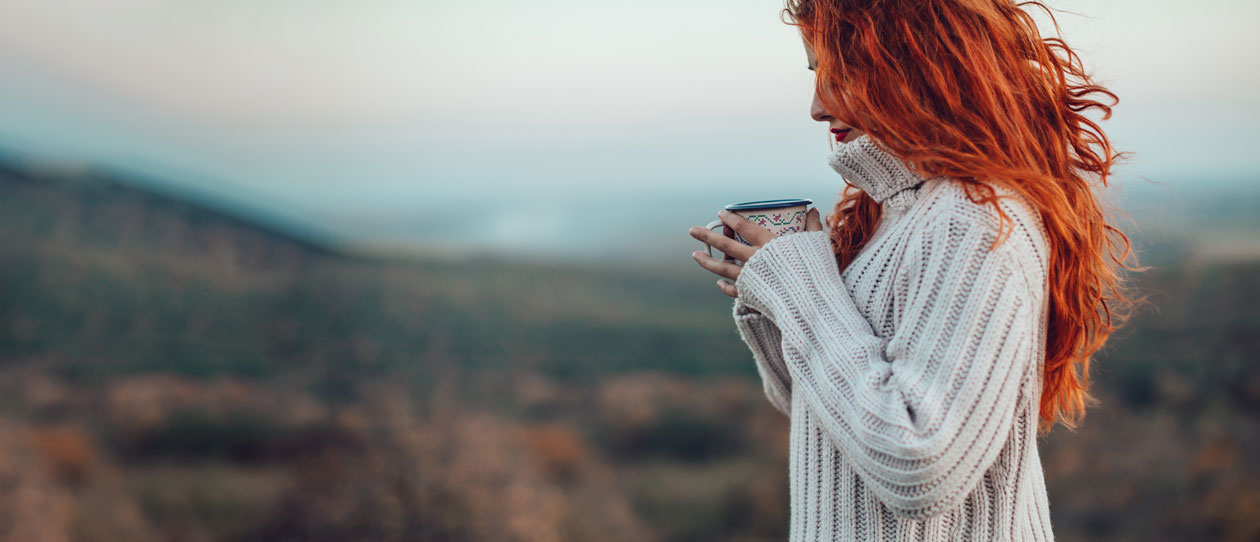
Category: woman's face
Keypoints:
(841, 131)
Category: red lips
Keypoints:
(840, 134)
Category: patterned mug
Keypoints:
(780, 216)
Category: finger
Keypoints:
(728, 233)
(813, 222)
(728, 246)
(716, 266)
(747, 229)
(728, 288)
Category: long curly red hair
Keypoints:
(970, 90)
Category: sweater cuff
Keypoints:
(787, 271)
(742, 311)
(766, 343)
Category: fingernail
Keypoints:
(695, 254)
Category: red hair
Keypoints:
(969, 89)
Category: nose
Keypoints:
(817, 111)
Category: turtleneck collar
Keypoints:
(881, 175)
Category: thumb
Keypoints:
(812, 221)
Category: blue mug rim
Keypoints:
(768, 204)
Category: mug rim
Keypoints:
(768, 204)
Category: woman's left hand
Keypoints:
(755, 234)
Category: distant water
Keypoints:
(650, 228)
(654, 228)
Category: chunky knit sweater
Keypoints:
(912, 379)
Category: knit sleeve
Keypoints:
(764, 339)
(924, 412)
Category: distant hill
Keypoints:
(103, 277)
(83, 206)
(1194, 223)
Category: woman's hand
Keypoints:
(736, 250)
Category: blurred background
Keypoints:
(387, 270)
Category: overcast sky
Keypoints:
(514, 124)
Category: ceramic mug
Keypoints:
(780, 216)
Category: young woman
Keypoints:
(947, 313)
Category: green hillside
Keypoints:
(139, 282)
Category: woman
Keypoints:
(948, 312)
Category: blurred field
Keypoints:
(171, 372)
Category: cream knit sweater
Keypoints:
(913, 378)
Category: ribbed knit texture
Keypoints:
(912, 380)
